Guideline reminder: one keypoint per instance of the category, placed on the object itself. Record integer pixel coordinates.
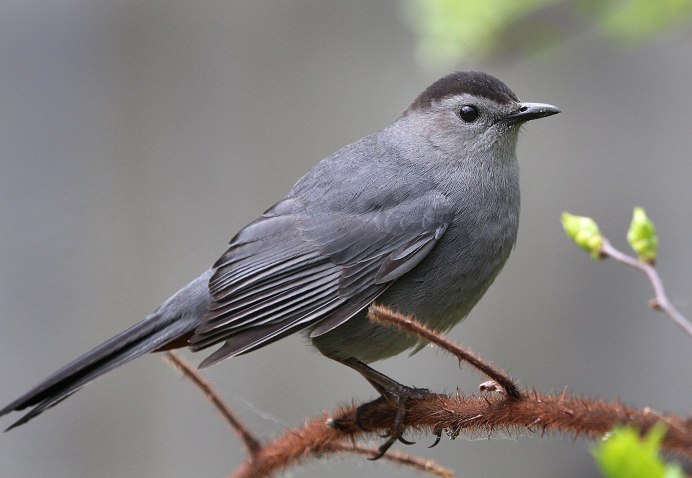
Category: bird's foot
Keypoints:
(393, 393)
(399, 397)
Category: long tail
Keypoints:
(170, 323)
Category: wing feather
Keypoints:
(291, 270)
(235, 316)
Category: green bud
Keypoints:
(642, 236)
(584, 232)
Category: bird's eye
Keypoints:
(468, 113)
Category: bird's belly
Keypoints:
(439, 292)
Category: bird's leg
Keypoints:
(393, 392)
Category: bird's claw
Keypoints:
(399, 398)
(382, 449)
(438, 435)
(396, 395)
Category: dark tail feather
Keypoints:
(168, 326)
(151, 334)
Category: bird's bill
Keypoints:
(531, 111)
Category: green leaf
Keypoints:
(638, 19)
(625, 454)
(453, 29)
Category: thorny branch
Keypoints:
(660, 300)
(512, 411)
(257, 452)
(387, 316)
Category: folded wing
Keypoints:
(291, 270)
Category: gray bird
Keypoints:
(419, 216)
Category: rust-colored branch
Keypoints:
(252, 444)
(512, 411)
(256, 450)
(387, 316)
(469, 415)
(536, 412)
(317, 440)
(660, 300)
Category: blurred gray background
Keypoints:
(137, 137)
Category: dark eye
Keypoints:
(468, 113)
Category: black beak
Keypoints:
(530, 111)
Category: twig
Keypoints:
(660, 301)
(387, 316)
(252, 444)
(423, 465)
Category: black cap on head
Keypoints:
(474, 83)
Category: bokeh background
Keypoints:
(137, 137)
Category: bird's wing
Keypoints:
(290, 269)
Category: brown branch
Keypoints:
(391, 318)
(255, 447)
(660, 300)
(468, 415)
(317, 440)
(252, 444)
(512, 411)
(575, 416)
(455, 415)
